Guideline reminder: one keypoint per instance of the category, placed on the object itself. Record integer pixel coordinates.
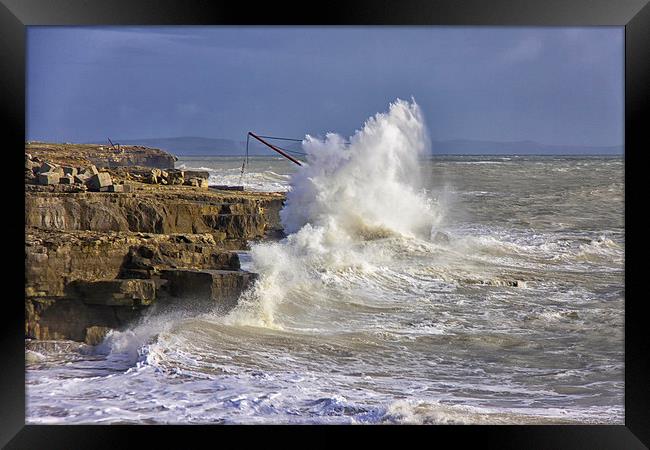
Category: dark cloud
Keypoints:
(551, 85)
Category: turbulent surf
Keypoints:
(409, 289)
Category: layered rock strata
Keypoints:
(99, 254)
(100, 155)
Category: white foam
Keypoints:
(343, 198)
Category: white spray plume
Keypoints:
(344, 198)
(371, 185)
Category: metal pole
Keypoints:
(273, 147)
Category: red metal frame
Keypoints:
(273, 147)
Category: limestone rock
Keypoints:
(95, 335)
(30, 177)
(55, 259)
(203, 174)
(81, 179)
(31, 165)
(176, 176)
(236, 218)
(71, 171)
(220, 287)
(82, 155)
(99, 181)
(89, 171)
(47, 167)
(116, 292)
(48, 178)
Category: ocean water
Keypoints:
(410, 289)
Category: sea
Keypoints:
(409, 289)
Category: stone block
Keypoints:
(204, 174)
(31, 165)
(66, 179)
(91, 170)
(176, 176)
(112, 188)
(81, 179)
(47, 167)
(52, 168)
(48, 178)
(71, 171)
(99, 181)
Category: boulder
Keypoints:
(81, 179)
(31, 165)
(48, 178)
(176, 176)
(91, 170)
(30, 178)
(197, 182)
(204, 174)
(53, 168)
(47, 167)
(99, 181)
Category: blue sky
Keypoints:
(560, 86)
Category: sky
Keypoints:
(557, 86)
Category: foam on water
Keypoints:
(391, 300)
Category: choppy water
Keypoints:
(366, 324)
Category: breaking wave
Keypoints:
(345, 197)
(387, 302)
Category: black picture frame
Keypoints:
(634, 15)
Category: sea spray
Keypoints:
(371, 185)
(348, 194)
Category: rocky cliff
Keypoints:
(97, 259)
(101, 155)
(231, 218)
